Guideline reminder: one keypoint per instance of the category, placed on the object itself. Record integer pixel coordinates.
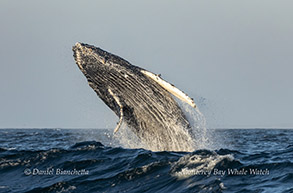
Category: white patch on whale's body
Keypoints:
(170, 88)
(121, 109)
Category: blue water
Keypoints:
(88, 160)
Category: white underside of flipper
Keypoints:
(170, 88)
(121, 110)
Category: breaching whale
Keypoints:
(141, 99)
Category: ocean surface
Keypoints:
(93, 160)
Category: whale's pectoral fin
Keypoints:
(119, 123)
(116, 98)
(170, 88)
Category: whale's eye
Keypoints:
(106, 59)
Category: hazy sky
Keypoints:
(235, 58)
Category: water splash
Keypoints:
(126, 138)
(182, 139)
(202, 136)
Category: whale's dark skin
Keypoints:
(147, 108)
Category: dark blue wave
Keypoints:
(94, 167)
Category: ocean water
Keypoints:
(93, 160)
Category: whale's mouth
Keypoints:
(77, 50)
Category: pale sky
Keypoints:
(235, 58)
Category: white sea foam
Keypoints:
(190, 165)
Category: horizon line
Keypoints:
(114, 128)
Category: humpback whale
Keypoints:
(140, 98)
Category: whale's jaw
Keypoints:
(147, 108)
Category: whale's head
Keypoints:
(90, 58)
(106, 73)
